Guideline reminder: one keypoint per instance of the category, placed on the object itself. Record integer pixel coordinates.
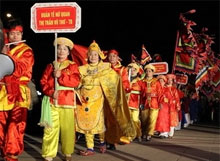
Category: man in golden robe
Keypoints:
(103, 109)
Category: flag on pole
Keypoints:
(157, 58)
(186, 46)
(215, 79)
(202, 77)
(133, 58)
(145, 56)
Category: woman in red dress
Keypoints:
(163, 120)
(174, 103)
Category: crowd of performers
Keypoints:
(103, 98)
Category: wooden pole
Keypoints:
(56, 67)
(177, 41)
(174, 57)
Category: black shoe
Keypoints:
(111, 147)
(162, 137)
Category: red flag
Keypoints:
(145, 56)
(157, 58)
(186, 48)
(133, 58)
(215, 77)
(79, 54)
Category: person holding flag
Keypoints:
(59, 102)
(134, 96)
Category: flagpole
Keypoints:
(174, 58)
(56, 64)
(177, 40)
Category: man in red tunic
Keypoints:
(134, 96)
(151, 105)
(15, 94)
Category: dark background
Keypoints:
(123, 25)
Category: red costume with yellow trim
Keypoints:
(134, 94)
(174, 106)
(152, 93)
(69, 78)
(151, 105)
(174, 103)
(15, 100)
(163, 120)
(123, 72)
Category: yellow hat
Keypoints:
(64, 41)
(134, 65)
(95, 47)
(150, 66)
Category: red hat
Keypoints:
(172, 76)
(17, 28)
(113, 51)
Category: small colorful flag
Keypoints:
(145, 56)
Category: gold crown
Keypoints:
(95, 47)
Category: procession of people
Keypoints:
(102, 98)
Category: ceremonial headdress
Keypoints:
(16, 28)
(95, 47)
(113, 51)
(134, 65)
(150, 66)
(14, 25)
(64, 41)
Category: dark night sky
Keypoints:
(123, 25)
